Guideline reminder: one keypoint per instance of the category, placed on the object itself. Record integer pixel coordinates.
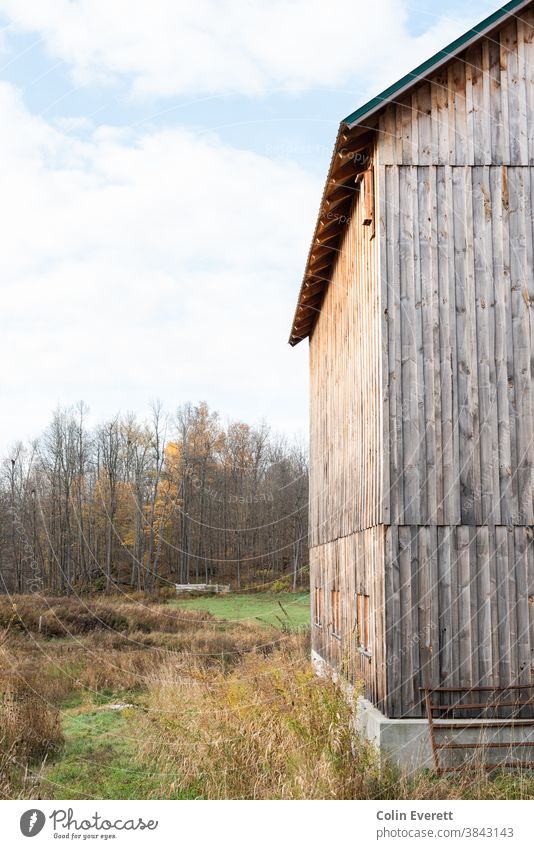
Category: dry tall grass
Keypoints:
(54, 649)
(58, 617)
(268, 729)
(30, 731)
(229, 710)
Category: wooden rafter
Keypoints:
(336, 204)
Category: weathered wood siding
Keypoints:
(456, 210)
(458, 289)
(459, 609)
(345, 390)
(353, 564)
(346, 546)
(477, 110)
(422, 390)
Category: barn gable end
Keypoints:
(422, 394)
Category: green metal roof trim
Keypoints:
(438, 59)
(407, 82)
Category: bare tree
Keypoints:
(146, 503)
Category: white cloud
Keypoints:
(164, 263)
(169, 47)
(157, 264)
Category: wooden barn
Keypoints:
(417, 301)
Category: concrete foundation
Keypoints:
(407, 741)
(403, 741)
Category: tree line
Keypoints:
(174, 499)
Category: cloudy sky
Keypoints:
(161, 166)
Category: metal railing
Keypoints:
(483, 700)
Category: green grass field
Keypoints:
(290, 610)
(98, 759)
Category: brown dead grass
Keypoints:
(267, 729)
(53, 650)
(60, 617)
(270, 729)
(233, 709)
(30, 730)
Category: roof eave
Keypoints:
(329, 188)
(368, 111)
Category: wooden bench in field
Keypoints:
(202, 588)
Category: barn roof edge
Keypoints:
(433, 63)
(314, 284)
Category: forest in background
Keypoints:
(179, 498)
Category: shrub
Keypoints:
(282, 585)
